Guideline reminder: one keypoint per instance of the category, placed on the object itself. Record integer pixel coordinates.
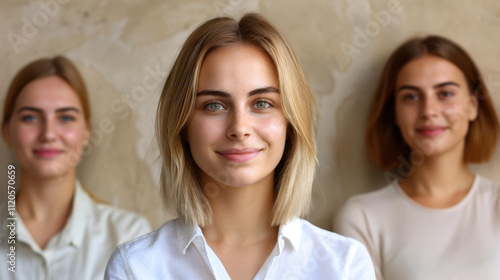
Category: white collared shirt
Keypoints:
(80, 251)
(179, 251)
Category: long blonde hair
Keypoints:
(294, 175)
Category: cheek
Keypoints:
(274, 129)
(405, 117)
(23, 136)
(456, 113)
(75, 137)
(200, 132)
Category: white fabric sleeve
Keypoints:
(361, 266)
(117, 268)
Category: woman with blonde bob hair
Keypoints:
(431, 116)
(236, 131)
(61, 230)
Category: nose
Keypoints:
(240, 125)
(48, 131)
(429, 107)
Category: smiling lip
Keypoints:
(431, 131)
(47, 153)
(239, 155)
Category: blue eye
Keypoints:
(410, 97)
(213, 107)
(68, 118)
(446, 94)
(29, 118)
(261, 105)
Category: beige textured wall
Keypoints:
(125, 48)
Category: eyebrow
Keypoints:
(64, 109)
(436, 86)
(227, 95)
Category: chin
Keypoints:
(48, 172)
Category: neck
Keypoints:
(442, 175)
(242, 214)
(44, 199)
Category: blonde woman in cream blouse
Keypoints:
(235, 126)
(61, 231)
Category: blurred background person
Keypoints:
(431, 116)
(62, 231)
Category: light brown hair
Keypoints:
(58, 66)
(294, 175)
(384, 141)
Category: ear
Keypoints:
(86, 135)
(473, 108)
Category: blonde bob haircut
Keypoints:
(383, 138)
(179, 184)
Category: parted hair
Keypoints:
(179, 183)
(58, 66)
(384, 141)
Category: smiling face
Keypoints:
(433, 106)
(47, 129)
(237, 130)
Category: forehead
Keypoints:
(237, 67)
(429, 70)
(48, 93)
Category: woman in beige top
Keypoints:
(430, 118)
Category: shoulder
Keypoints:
(369, 210)
(123, 224)
(328, 239)
(117, 216)
(487, 185)
(380, 196)
(155, 241)
(347, 256)
(116, 222)
(367, 203)
(138, 256)
(488, 190)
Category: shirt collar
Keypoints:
(74, 231)
(187, 234)
(23, 234)
(291, 231)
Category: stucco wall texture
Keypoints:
(124, 49)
